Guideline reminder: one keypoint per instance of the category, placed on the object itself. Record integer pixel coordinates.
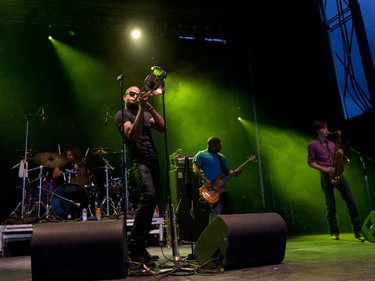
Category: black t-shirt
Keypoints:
(143, 150)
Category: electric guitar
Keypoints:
(211, 193)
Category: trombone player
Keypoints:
(135, 124)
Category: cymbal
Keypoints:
(101, 151)
(50, 160)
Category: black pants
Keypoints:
(347, 196)
(143, 186)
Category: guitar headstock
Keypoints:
(249, 159)
(252, 158)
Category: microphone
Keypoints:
(121, 77)
(106, 118)
(77, 205)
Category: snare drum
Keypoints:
(81, 174)
(68, 200)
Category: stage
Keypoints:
(307, 257)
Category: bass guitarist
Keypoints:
(209, 165)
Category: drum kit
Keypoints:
(45, 200)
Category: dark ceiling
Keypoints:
(214, 18)
(284, 40)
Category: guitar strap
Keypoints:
(221, 163)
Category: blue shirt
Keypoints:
(210, 164)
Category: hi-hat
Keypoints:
(100, 151)
(50, 160)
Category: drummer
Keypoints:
(75, 171)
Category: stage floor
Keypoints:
(307, 257)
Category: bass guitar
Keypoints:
(211, 193)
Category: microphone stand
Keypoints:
(177, 261)
(365, 174)
(172, 215)
(25, 167)
(156, 78)
(124, 164)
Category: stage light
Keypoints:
(136, 33)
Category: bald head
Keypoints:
(132, 89)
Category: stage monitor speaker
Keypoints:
(368, 227)
(87, 250)
(191, 215)
(243, 240)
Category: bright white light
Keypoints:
(136, 34)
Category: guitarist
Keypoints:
(208, 165)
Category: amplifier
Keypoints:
(177, 160)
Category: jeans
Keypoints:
(143, 186)
(346, 195)
(220, 207)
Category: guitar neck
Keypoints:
(229, 177)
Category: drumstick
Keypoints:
(87, 151)
(63, 173)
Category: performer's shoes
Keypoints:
(138, 258)
(146, 254)
(335, 236)
(360, 236)
(139, 255)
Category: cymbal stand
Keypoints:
(107, 199)
(40, 203)
(29, 199)
(40, 189)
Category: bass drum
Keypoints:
(68, 201)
